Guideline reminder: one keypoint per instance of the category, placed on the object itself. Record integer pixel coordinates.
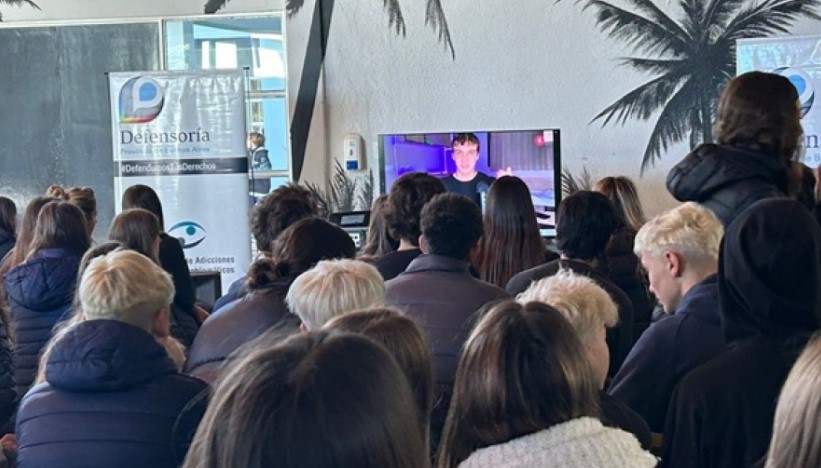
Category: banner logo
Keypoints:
(802, 83)
(141, 100)
(189, 233)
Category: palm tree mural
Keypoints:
(691, 59)
(17, 3)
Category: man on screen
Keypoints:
(467, 180)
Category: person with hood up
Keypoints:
(758, 131)
(721, 413)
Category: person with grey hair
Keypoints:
(332, 288)
(679, 250)
(112, 396)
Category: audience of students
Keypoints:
(769, 273)
(297, 250)
(318, 399)
(590, 311)
(679, 250)
(111, 396)
(585, 222)
(333, 288)
(408, 194)
(8, 226)
(511, 242)
(525, 396)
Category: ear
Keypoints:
(423, 246)
(473, 255)
(160, 324)
(303, 328)
(674, 263)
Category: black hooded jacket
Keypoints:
(722, 412)
(727, 179)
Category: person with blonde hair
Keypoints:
(108, 367)
(796, 441)
(590, 310)
(679, 250)
(525, 396)
(332, 288)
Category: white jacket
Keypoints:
(582, 442)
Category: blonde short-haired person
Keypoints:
(332, 288)
(111, 395)
(679, 250)
(590, 310)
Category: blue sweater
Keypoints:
(112, 398)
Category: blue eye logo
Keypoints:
(141, 100)
(189, 233)
(802, 83)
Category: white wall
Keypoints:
(525, 64)
(67, 10)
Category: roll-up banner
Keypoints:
(799, 59)
(183, 134)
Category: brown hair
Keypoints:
(143, 196)
(60, 225)
(379, 241)
(317, 399)
(138, 229)
(18, 253)
(278, 210)
(81, 197)
(257, 139)
(409, 193)
(523, 369)
(622, 192)
(8, 216)
(796, 439)
(760, 111)
(511, 242)
(406, 342)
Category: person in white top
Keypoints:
(525, 396)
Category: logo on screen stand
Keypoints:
(802, 83)
(189, 233)
(141, 100)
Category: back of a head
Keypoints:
(25, 235)
(796, 441)
(760, 111)
(277, 211)
(770, 272)
(332, 288)
(81, 197)
(380, 241)
(60, 225)
(8, 216)
(511, 241)
(451, 225)
(523, 369)
(125, 286)
(138, 229)
(406, 342)
(408, 195)
(318, 399)
(143, 196)
(585, 222)
(622, 192)
(691, 230)
(298, 249)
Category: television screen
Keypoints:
(468, 162)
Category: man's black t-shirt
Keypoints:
(471, 189)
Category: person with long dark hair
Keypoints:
(511, 242)
(8, 226)
(41, 289)
(525, 396)
(138, 230)
(379, 241)
(319, 399)
(298, 249)
(26, 232)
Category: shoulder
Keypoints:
(522, 280)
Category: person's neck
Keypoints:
(691, 279)
(465, 177)
(405, 245)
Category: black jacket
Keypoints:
(620, 337)
(184, 324)
(622, 267)
(667, 351)
(727, 179)
(7, 242)
(112, 398)
(394, 263)
(721, 414)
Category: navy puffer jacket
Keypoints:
(112, 398)
(39, 292)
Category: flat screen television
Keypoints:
(532, 155)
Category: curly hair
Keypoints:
(408, 195)
(278, 210)
(452, 225)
